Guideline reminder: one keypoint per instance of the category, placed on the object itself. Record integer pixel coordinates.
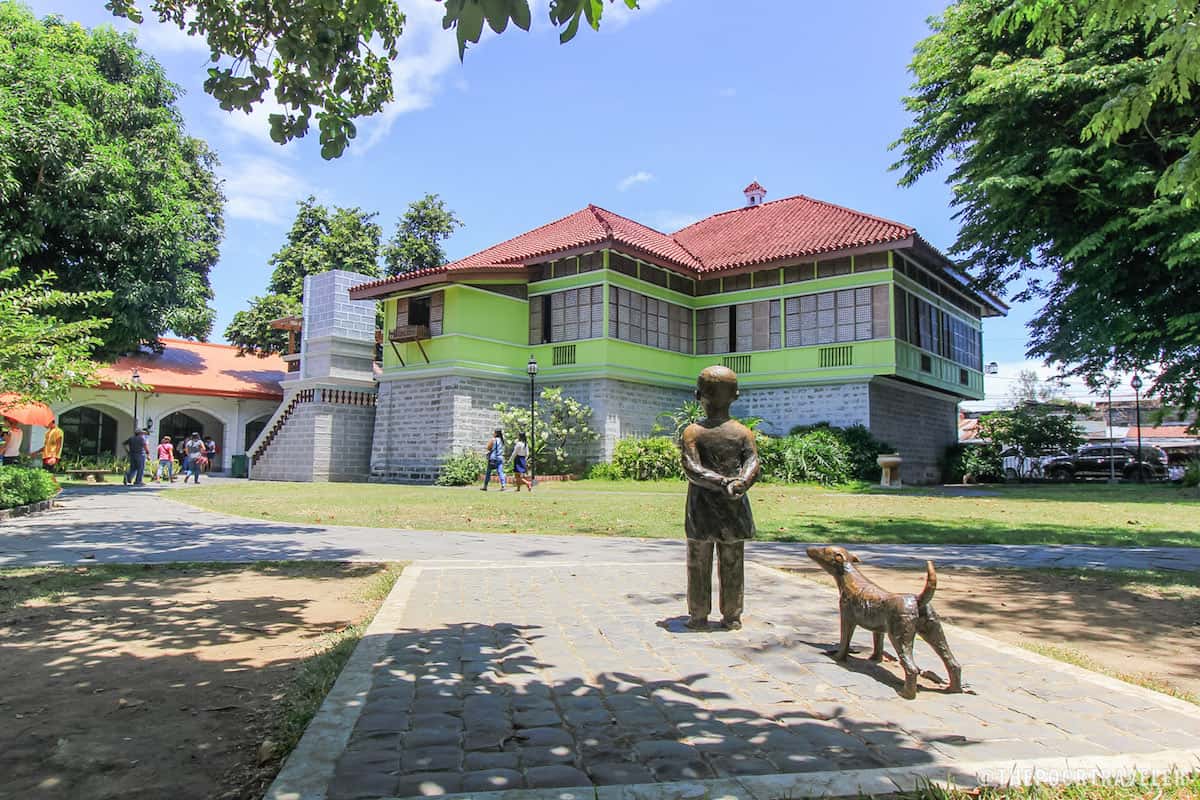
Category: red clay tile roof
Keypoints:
(1160, 432)
(789, 228)
(794, 227)
(199, 368)
(754, 186)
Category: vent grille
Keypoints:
(739, 364)
(563, 354)
(836, 356)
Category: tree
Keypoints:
(1033, 430)
(1173, 28)
(327, 59)
(562, 430)
(318, 241)
(417, 242)
(42, 355)
(251, 329)
(1029, 388)
(1083, 219)
(99, 183)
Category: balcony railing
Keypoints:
(409, 333)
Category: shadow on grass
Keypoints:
(899, 530)
(133, 691)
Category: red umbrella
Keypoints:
(24, 413)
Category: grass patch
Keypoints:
(1088, 514)
(1078, 658)
(316, 675)
(1137, 786)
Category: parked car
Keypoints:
(1018, 466)
(1102, 460)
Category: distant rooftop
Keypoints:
(200, 368)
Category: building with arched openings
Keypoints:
(188, 387)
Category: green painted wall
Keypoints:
(488, 333)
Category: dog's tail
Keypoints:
(926, 595)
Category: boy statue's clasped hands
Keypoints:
(721, 464)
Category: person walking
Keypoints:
(138, 449)
(520, 463)
(12, 443)
(52, 447)
(210, 453)
(193, 453)
(166, 460)
(495, 459)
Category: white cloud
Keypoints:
(671, 221)
(426, 54)
(261, 189)
(166, 37)
(617, 15)
(629, 181)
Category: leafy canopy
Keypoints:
(328, 59)
(100, 186)
(1032, 429)
(417, 242)
(42, 355)
(1080, 220)
(319, 240)
(562, 432)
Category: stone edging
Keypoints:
(309, 769)
(31, 508)
(872, 782)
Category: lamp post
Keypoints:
(136, 380)
(532, 369)
(1136, 384)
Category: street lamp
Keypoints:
(1136, 384)
(136, 380)
(532, 369)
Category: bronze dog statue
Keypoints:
(902, 617)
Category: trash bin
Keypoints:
(239, 467)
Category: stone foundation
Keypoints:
(919, 424)
(325, 439)
(419, 422)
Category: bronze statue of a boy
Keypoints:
(721, 463)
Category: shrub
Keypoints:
(972, 463)
(563, 432)
(1191, 475)
(461, 469)
(603, 471)
(21, 486)
(818, 456)
(862, 446)
(648, 458)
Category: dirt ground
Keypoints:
(1129, 625)
(162, 683)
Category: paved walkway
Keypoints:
(532, 677)
(110, 524)
(532, 663)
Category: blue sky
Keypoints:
(663, 116)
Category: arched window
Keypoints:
(253, 429)
(88, 432)
(180, 426)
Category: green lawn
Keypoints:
(1099, 514)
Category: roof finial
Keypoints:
(754, 194)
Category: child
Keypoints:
(721, 464)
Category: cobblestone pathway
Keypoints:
(507, 677)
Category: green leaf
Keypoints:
(520, 13)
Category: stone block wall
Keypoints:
(917, 423)
(322, 440)
(783, 408)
